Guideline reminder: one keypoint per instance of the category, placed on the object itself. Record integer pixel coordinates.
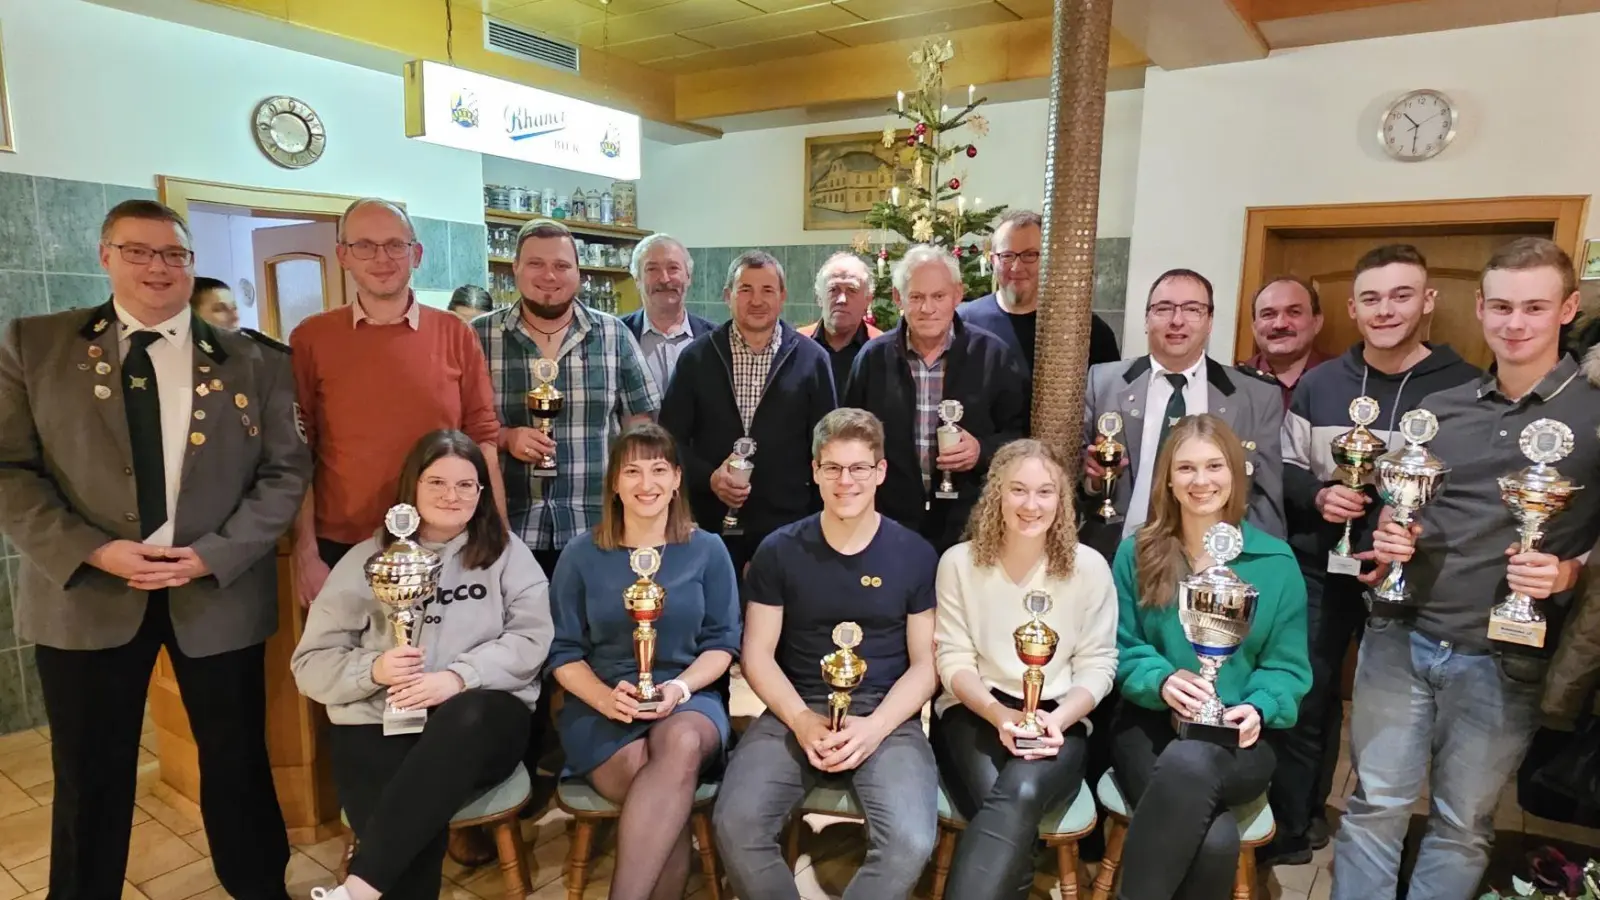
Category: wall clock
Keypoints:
(289, 132)
(1418, 126)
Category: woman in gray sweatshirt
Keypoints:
(482, 640)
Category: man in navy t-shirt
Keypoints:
(846, 564)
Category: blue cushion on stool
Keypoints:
(831, 802)
(577, 795)
(503, 797)
(1255, 818)
(1063, 819)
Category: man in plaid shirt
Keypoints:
(602, 379)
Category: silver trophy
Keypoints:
(1215, 608)
(1408, 479)
(739, 468)
(1535, 495)
(403, 577)
(948, 436)
(1356, 452)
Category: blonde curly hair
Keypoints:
(986, 528)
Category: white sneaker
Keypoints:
(338, 893)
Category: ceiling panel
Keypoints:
(668, 45)
(776, 6)
(561, 18)
(888, 9)
(800, 45)
(1029, 9)
(773, 26)
(929, 23)
(1415, 17)
(681, 16)
(625, 7)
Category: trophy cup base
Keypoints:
(648, 706)
(1221, 735)
(1110, 518)
(1023, 743)
(542, 472)
(1528, 634)
(732, 528)
(404, 721)
(1342, 564)
(946, 495)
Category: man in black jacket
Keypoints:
(749, 378)
(903, 375)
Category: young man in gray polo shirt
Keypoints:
(1439, 706)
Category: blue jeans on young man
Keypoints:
(1429, 716)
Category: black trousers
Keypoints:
(1003, 797)
(1308, 753)
(332, 551)
(541, 739)
(1183, 839)
(95, 703)
(399, 792)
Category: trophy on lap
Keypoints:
(645, 600)
(1036, 646)
(843, 670)
(403, 577)
(1216, 608)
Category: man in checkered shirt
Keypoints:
(603, 382)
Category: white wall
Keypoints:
(1300, 128)
(746, 189)
(102, 95)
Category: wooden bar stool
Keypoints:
(1061, 828)
(495, 809)
(588, 809)
(1256, 827)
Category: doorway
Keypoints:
(281, 270)
(1322, 243)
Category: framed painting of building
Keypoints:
(847, 173)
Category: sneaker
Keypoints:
(1318, 834)
(338, 893)
(1289, 853)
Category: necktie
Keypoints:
(1175, 406)
(142, 403)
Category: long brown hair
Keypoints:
(646, 440)
(1158, 544)
(986, 528)
(486, 534)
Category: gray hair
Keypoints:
(754, 259)
(1020, 218)
(398, 210)
(924, 255)
(636, 263)
(821, 288)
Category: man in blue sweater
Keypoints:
(754, 378)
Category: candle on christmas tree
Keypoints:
(900, 100)
(971, 89)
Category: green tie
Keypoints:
(1176, 409)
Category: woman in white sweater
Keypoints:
(1022, 539)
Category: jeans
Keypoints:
(1308, 753)
(1003, 797)
(768, 776)
(1421, 704)
(1183, 839)
(400, 792)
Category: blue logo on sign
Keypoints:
(522, 124)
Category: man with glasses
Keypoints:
(844, 290)
(372, 378)
(905, 375)
(1174, 380)
(1012, 311)
(662, 270)
(149, 462)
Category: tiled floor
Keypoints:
(170, 859)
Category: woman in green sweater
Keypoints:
(1183, 840)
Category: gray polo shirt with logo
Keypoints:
(1459, 571)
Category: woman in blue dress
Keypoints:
(647, 763)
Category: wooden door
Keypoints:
(1454, 263)
(299, 274)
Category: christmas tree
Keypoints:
(926, 204)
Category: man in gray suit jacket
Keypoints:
(1174, 380)
(148, 465)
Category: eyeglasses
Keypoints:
(466, 490)
(140, 255)
(1193, 312)
(858, 472)
(391, 249)
(1028, 256)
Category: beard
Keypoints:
(547, 311)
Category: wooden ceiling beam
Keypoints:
(1182, 34)
(1272, 10)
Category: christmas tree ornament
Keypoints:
(922, 230)
(957, 252)
(972, 151)
(955, 184)
(888, 136)
(911, 140)
(921, 129)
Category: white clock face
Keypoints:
(1418, 126)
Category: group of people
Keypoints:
(790, 481)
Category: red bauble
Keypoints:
(957, 252)
(922, 128)
(869, 319)
(883, 254)
(955, 184)
(911, 141)
(972, 151)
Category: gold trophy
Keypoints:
(1408, 479)
(739, 469)
(1356, 453)
(544, 404)
(843, 670)
(1110, 455)
(403, 577)
(645, 600)
(1036, 646)
(1535, 494)
(948, 436)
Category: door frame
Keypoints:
(1565, 214)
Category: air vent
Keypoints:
(514, 41)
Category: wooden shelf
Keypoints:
(587, 229)
(599, 270)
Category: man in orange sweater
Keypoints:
(373, 377)
(844, 291)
